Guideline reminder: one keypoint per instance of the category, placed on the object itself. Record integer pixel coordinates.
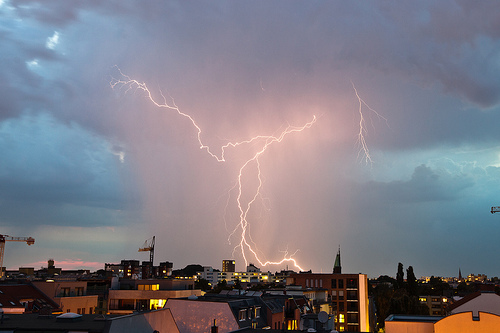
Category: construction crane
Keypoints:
(6, 238)
(149, 246)
(495, 209)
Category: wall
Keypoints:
(408, 327)
(464, 323)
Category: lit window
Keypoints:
(422, 299)
(156, 303)
(341, 318)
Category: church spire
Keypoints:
(337, 268)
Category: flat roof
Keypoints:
(414, 318)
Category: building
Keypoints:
(25, 298)
(437, 305)
(153, 321)
(252, 276)
(476, 302)
(143, 295)
(347, 296)
(228, 266)
(251, 268)
(71, 296)
(463, 322)
(233, 311)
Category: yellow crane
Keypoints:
(495, 209)
(149, 246)
(7, 238)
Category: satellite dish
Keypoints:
(323, 317)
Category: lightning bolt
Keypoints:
(363, 147)
(245, 245)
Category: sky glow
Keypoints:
(91, 172)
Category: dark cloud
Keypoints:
(425, 185)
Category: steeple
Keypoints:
(460, 275)
(337, 268)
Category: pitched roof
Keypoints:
(463, 300)
(21, 294)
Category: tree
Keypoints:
(202, 284)
(411, 281)
(400, 277)
(237, 284)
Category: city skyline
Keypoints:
(91, 171)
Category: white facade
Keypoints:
(230, 277)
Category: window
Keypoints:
(352, 283)
(341, 318)
(83, 311)
(257, 312)
(352, 295)
(65, 292)
(341, 308)
(90, 310)
(79, 291)
(341, 283)
(148, 287)
(353, 318)
(352, 306)
(334, 283)
(321, 283)
(78, 311)
(242, 315)
(341, 295)
(334, 294)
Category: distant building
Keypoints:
(251, 268)
(337, 267)
(437, 305)
(477, 278)
(228, 266)
(131, 269)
